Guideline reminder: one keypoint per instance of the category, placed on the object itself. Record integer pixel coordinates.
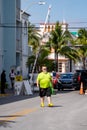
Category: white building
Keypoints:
(26, 49)
(63, 62)
(13, 37)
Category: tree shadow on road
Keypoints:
(5, 123)
(6, 120)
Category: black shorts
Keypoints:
(45, 92)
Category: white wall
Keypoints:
(24, 44)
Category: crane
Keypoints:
(48, 15)
(38, 51)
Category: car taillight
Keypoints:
(79, 78)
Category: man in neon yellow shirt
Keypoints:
(43, 81)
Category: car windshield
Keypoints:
(66, 76)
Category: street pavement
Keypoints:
(24, 112)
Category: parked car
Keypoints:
(78, 77)
(55, 77)
(65, 81)
(55, 82)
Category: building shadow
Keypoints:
(10, 97)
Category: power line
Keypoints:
(38, 23)
(11, 26)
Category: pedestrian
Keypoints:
(12, 78)
(3, 82)
(82, 79)
(43, 82)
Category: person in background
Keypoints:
(43, 82)
(3, 82)
(12, 78)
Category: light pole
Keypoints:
(33, 3)
(22, 12)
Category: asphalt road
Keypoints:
(24, 112)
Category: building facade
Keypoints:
(7, 34)
(25, 46)
(12, 44)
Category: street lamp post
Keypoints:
(21, 14)
(33, 3)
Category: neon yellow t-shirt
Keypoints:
(44, 79)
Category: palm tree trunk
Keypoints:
(57, 67)
(70, 65)
(83, 60)
(55, 61)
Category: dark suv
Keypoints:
(78, 77)
(65, 81)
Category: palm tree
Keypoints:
(82, 45)
(59, 42)
(33, 40)
(33, 37)
(30, 62)
(41, 51)
(42, 60)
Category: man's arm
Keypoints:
(37, 81)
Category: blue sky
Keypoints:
(74, 12)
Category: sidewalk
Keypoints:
(10, 97)
(9, 92)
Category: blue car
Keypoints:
(65, 81)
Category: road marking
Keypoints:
(4, 95)
(18, 114)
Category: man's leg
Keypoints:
(49, 97)
(49, 100)
(42, 101)
(50, 104)
(42, 96)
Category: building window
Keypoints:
(60, 67)
(25, 28)
(45, 29)
(48, 28)
(52, 27)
